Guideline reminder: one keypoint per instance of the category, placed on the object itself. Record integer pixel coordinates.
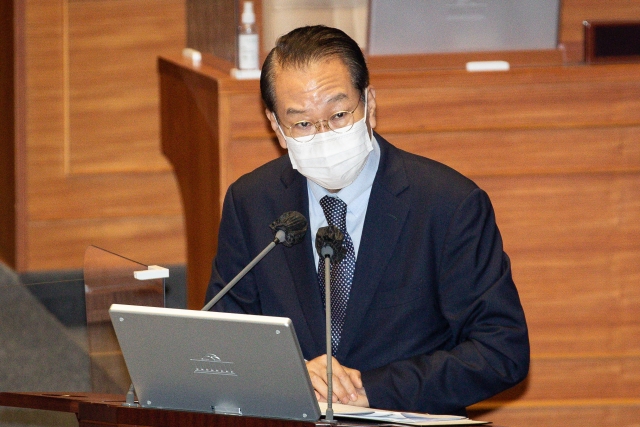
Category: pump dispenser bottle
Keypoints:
(248, 43)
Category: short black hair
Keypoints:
(305, 45)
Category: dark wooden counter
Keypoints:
(107, 410)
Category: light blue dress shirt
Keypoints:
(356, 196)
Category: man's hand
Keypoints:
(347, 384)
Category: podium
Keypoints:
(105, 410)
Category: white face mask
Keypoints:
(332, 160)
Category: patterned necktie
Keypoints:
(335, 210)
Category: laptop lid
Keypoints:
(215, 362)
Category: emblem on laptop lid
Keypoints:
(211, 364)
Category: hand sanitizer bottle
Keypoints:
(248, 46)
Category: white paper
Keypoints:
(394, 417)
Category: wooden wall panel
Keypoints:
(572, 241)
(246, 155)
(604, 376)
(252, 124)
(104, 196)
(147, 239)
(552, 413)
(530, 151)
(45, 82)
(95, 172)
(113, 85)
(457, 100)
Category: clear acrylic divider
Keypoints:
(109, 279)
(43, 344)
(56, 336)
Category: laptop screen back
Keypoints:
(215, 362)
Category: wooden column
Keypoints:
(213, 130)
(12, 114)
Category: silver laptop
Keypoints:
(215, 362)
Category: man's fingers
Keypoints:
(319, 397)
(343, 385)
(355, 376)
(319, 385)
(346, 381)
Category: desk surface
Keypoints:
(107, 410)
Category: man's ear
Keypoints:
(274, 125)
(371, 106)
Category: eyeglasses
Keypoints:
(339, 122)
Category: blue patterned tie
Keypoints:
(335, 210)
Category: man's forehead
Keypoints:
(281, 64)
(327, 80)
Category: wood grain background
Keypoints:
(94, 170)
(557, 148)
(88, 168)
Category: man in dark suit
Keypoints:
(428, 316)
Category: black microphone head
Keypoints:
(331, 237)
(294, 225)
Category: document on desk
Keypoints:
(394, 417)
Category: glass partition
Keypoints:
(43, 346)
(56, 336)
(109, 279)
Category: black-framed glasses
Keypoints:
(339, 122)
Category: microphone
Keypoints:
(329, 243)
(289, 229)
(329, 246)
(294, 226)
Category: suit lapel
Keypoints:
(386, 214)
(301, 262)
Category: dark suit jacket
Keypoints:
(433, 322)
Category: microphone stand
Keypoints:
(329, 246)
(327, 296)
(280, 237)
(289, 229)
